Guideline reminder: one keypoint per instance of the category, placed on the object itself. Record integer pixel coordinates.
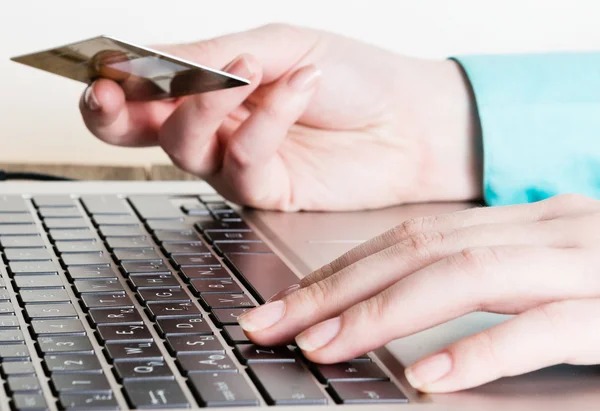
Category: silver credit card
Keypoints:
(142, 73)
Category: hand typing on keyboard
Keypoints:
(327, 123)
(539, 261)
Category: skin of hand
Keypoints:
(539, 261)
(327, 123)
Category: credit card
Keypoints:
(143, 74)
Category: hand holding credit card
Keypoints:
(143, 74)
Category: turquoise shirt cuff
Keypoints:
(540, 123)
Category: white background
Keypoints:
(39, 120)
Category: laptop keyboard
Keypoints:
(107, 302)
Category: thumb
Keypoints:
(278, 47)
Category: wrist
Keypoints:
(452, 168)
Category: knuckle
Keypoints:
(424, 243)
(409, 228)
(483, 346)
(474, 261)
(373, 309)
(553, 314)
(565, 202)
(315, 295)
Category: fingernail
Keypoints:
(304, 78)
(239, 67)
(90, 99)
(262, 317)
(429, 370)
(319, 335)
(283, 293)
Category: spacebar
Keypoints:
(264, 274)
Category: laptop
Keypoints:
(125, 296)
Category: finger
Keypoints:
(514, 347)
(189, 135)
(500, 279)
(247, 166)
(356, 283)
(116, 121)
(543, 210)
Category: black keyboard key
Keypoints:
(195, 209)
(264, 274)
(163, 294)
(35, 311)
(9, 322)
(19, 229)
(80, 383)
(14, 352)
(44, 296)
(123, 333)
(152, 281)
(221, 226)
(116, 243)
(90, 272)
(154, 394)
(57, 222)
(143, 370)
(231, 217)
(106, 300)
(168, 225)
(211, 198)
(122, 231)
(27, 254)
(4, 295)
(232, 237)
(105, 204)
(63, 344)
(16, 218)
(207, 286)
(22, 241)
(286, 384)
(79, 234)
(75, 259)
(205, 362)
(137, 254)
(32, 267)
(148, 351)
(6, 308)
(106, 219)
(226, 301)
(145, 267)
(250, 353)
(72, 363)
(38, 281)
(64, 212)
(163, 236)
(58, 326)
(17, 368)
(202, 260)
(86, 246)
(356, 371)
(222, 390)
(179, 326)
(194, 344)
(29, 402)
(114, 316)
(173, 309)
(243, 248)
(209, 273)
(227, 316)
(366, 392)
(155, 207)
(195, 247)
(105, 285)
(235, 335)
(23, 383)
(53, 201)
(89, 402)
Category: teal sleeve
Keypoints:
(540, 123)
